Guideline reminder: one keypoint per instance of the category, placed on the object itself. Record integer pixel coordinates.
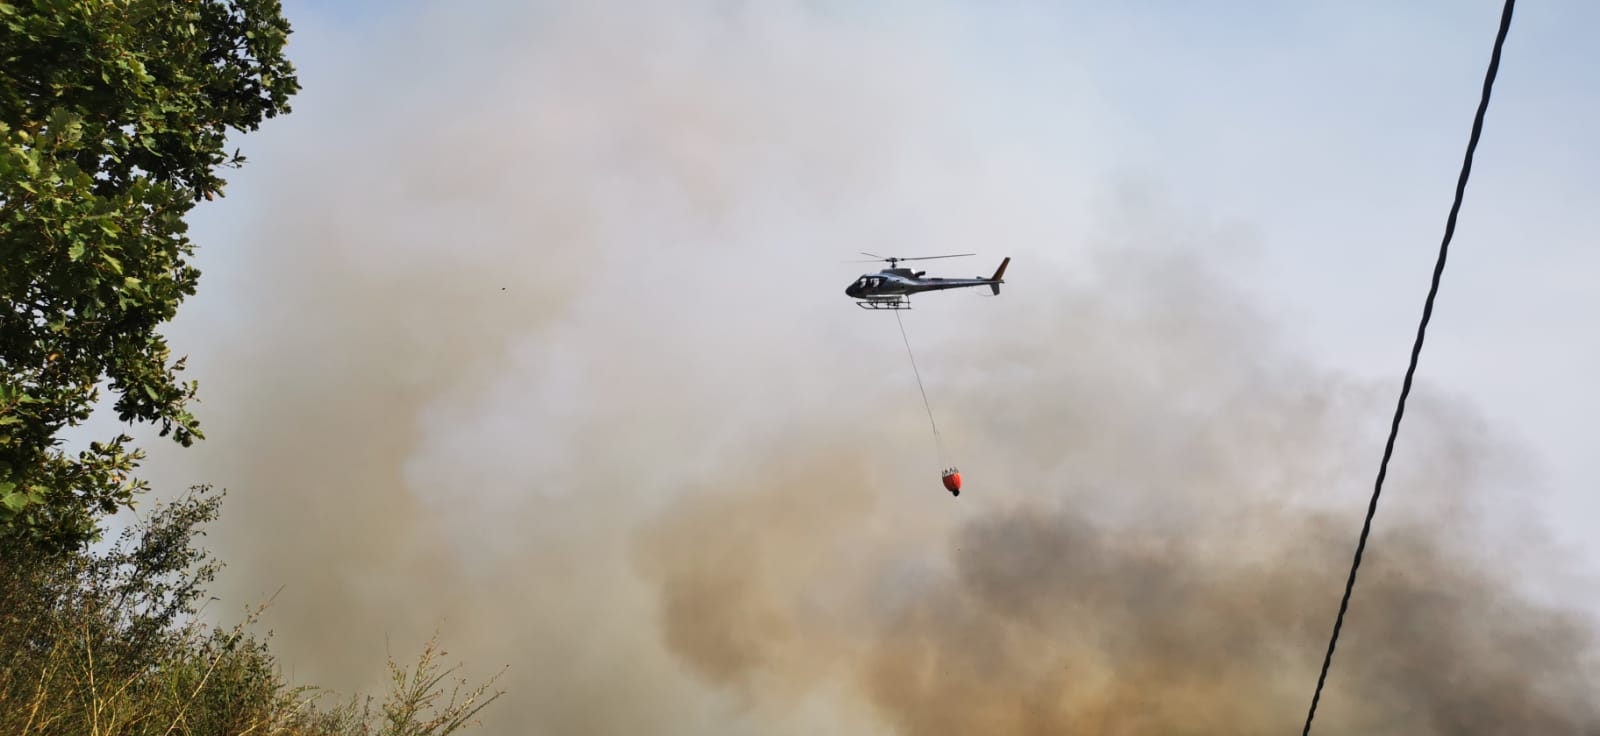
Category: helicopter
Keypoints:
(892, 287)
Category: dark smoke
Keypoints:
(1051, 625)
(1146, 552)
(1031, 618)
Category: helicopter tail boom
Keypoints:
(999, 276)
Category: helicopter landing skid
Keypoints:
(900, 303)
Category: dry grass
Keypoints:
(109, 645)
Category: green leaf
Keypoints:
(115, 120)
(15, 501)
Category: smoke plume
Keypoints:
(530, 327)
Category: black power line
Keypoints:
(1416, 352)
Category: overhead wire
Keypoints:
(1416, 352)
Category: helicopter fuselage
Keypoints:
(890, 288)
(897, 282)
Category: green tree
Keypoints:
(114, 117)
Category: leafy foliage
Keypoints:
(109, 645)
(114, 116)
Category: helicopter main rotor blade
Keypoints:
(916, 258)
(930, 258)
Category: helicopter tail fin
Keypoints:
(999, 276)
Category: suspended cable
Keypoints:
(1416, 352)
(937, 441)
